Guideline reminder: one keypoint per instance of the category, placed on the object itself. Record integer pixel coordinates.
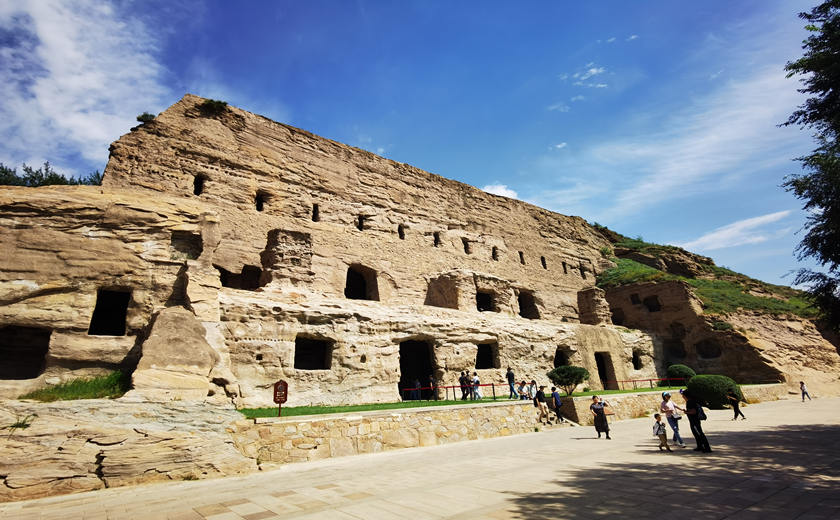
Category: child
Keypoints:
(659, 431)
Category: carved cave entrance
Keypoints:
(313, 353)
(487, 356)
(528, 305)
(248, 279)
(417, 363)
(606, 371)
(23, 351)
(562, 357)
(109, 314)
(484, 301)
(361, 283)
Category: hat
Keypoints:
(666, 394)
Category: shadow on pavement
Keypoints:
(790, 471)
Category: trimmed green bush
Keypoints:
(568, 377)
(678, 372)
(712, 389)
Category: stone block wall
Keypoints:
(293, 439)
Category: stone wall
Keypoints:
(294, 439)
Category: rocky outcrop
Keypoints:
(175, 360)
(86, 445)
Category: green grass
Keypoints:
(719, 296)
(114, 384)
(290, 411)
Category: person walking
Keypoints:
(476, 386)
(804, 390)
(660, 431)
(465, 387)
(735, 401)
(555, 396)
(511, 379)
(600, 417)
(695, 414)
(539, 401)
(670, 408)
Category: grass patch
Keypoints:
(723, 295)
(113, 385)
(291, 411)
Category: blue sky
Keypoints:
(657, 119)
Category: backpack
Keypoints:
(701, 415)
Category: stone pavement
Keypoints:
(781, 463)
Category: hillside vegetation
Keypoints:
(720, 289)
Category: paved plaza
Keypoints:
(781, 463)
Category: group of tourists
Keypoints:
(470, 386)
(674, 413)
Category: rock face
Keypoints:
(85, 445)
(225, 251)
(747, 346)
(176, 359)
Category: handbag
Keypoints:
(677, 416)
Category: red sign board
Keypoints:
(281, 392)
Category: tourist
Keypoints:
(465, 388)
(669, 408)
(511, 379)
(555, 396)
(601, 424)
(695, 414)
(415, 393)
(476, 386)
(735, 401)
(660, 431)
(532, 389)
(523, 391)
(539, 402)
(433, 386)
(804, 390)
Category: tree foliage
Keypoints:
(819, 187)
(677, 371)
(712, 390)
(44, 176)
(568, 377)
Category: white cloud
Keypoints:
(733, 129)
(558, 107)
(76, 74)
(589, 72)
(560, 146)
(742, 232)
(716, 74)
(632, 37)
(500, 189)
(578, 98)
(610, 40)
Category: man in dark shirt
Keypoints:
(555, 396)
(695, 414)
(511, 379)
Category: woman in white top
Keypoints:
(669, 408)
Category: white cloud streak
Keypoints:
(560, 146)
(741, 232)
(558, 107)
(500, 189)
(76, 74)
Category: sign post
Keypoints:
(281, 393)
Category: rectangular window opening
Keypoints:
(110, 312)
(313, 353)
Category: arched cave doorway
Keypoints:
(361, 283)
(417, 363)
(606, 371)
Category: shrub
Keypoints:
(568, 377)
(678, 372)
(722, 325)
(212, 107)
(146, 117)
(606, 251)
(712, 389)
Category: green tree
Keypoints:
(44, 176)
(819, 187)
(568, 377)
